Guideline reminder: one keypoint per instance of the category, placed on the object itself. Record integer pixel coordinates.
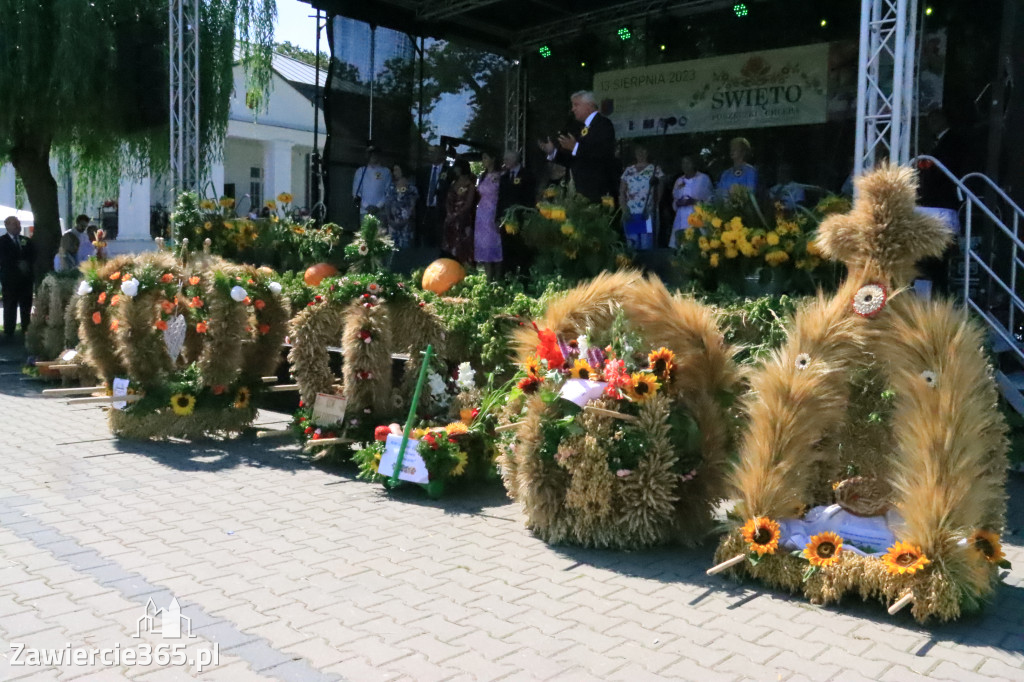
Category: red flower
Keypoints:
(218, 389)
(431, 440)
(259, 304)
(114, 325)
(529, 384)
(318, 298)
(201, 327)
(302, 403)
(115, 300)
(381, 433)
(196, 302)
(116, 276)
(247, 301)
(161, 325)
(476, 411)
(167, 278)
(102, 298)
(193, 280)
(308, 430)
(96, 318)
(264, 328)
(316, 436)
(548, 348)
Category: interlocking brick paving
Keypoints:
(300, 573)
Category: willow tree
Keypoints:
(86, 82)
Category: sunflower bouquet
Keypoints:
(732, 241)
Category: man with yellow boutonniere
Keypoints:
(517, 188)
(370, 184)
(590, 156)
(17, 254)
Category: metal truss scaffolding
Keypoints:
(885, 82)
(183, 40)
(515, 105)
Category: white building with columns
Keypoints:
(264, 155)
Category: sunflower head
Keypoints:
(529, 384)
(456, 429)
(823, 549)
(904, 558)
(581, 369)
(461, 460)
(662, 362)
(987, 544)
(532, 366)
(643, 387)
(243, 397)
(183, 404)
(762, 534)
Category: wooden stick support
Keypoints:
(281, 388)
(269, 380)
(610, 413)
(63, 367)
(102, 399)
(507, 427)
(49, 363)
(64, 392)
(273, 433)
(901, 603)
(728, 563)
(323, 442)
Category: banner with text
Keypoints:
(750, 90)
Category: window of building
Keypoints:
(256, 188)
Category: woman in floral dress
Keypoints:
(400, 207)
(639, 193)
(486, 238)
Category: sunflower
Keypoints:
(762, 534)
(823, 549)
(529, 384)
(581, 369)
(642, 387)
(532, 366)
(183, 404)
(461, 460)
(904, 557)
(662, 362)
(242, 398)
(988, 545)
(456, 429)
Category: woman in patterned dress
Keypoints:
(486, 238)
(639, 193)
(400, 207)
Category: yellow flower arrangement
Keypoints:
(713, 260)
(607, 201)
(762, 535)
(776, 258)
(703, 243)
(226, 202)
(461, 461)
(271, 204)
(730, 252)
(904, 558)
(662, 362)
(716, 222)
(285, 198)
(644, 386)
(242, 398)
(456, 428)
(823, 549)
(987, 545)
(568, 229)
(183, 404)
(208, 205)
(532, 366)
(511, 228)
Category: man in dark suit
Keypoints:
(516, 187)
(432, 182)
(16, 258)
(591, 155)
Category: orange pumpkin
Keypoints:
(442, 275)
(316, 273)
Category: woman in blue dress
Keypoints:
(740, 173)
(400, 207)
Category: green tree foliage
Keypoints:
(86, 82)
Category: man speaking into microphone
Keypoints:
(590, 157)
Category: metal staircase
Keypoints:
(991, 265)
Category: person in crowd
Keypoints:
(640, 193)
(400, 207)
(458, 219)
(486, 238)
(17, 256)
(370, 184)
(690, 188)
(741, 172)
(786, 191)
(517, 188)
(950, 148)
(77, 242)
(590, 155)
(432, 182)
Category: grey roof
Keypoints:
(298, 72)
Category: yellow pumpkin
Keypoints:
(316, 273)
(442, 275)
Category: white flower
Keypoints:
(929, 378)
(84, 288)
(238, 294)
(623, 473)
(437, 385)
(467, 377)
(583, 343)
(869, 299)
(803, 360)
(130, 288)
(275, 287)
(363, 250)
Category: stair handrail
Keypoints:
(999, 190)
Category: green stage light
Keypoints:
(662, 47)
(824, 23)
(583, 64)
(928, 11)
(545, 51)
(740, 9)
(625, 33)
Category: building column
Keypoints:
(216, 178)
(277, 168)
(7, 185)
(133, 206)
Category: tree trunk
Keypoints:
(31, 160)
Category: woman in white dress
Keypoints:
(691, 188)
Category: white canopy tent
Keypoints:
(26, 217)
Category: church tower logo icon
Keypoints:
(166, 622)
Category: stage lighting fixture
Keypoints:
(662, 47)
(824, 23)
(583, 64)
(740, 9)
(625, 33)
(545, 51)
(928, 11)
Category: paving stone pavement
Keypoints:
(298, 573)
